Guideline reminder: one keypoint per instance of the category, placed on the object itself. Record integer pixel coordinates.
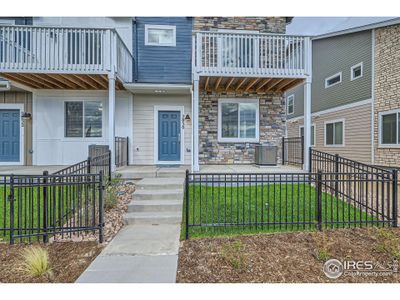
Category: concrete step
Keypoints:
(153, 218)
(175, 194)
(157, 184)
(155, 205)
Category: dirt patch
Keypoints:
(287, 257)
(67, 260)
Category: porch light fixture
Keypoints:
(26, 116)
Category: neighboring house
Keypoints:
(355, 94)
(185, 90)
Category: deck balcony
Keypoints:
(64, 57)
(250, 61)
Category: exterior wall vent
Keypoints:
(4, 85)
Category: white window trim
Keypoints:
(238, 139)
(94, 138)
(150, 26)
(355, 66)
(381, 114)
(344, 135)
(315, 132)
(7, 22)
(290, 97)
(20, 107)
(330, 77)
(157, 108)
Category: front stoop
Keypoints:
(146, 249)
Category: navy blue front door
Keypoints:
(9, 135)
(169, 136)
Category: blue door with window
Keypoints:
(169, 136)
(9, 135)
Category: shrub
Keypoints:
(322, 246)
(233, 253)
(36, 261)
(110, 197)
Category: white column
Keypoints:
(111, 117)
(307, 123)
(195, 117)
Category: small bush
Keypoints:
(36, 262)
(322, 246)
(110, 197)
(233, 253)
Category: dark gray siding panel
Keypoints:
(164, 64)
(331, 56)
(339, 54)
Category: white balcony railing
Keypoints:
(35, 49)
(250, 54)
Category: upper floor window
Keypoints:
(333, 80)
(290, 105)
(334, 133)
(356, 71)
(238, 120)
(390, 127)
(83, 119)
(312, 134)
(160, 35)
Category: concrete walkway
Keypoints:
(146, 250)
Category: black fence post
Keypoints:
(11, 199)
(283, 150)
(101, 207)
(88, 165)
(109, 165)
(45, 206)
(319, 200)
(336, 175)
(302, 149)
(187, 205)
(127, 150)
(310, 156)
(394, 197)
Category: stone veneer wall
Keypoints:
(262, 24)
(272, 129)
(387, 86)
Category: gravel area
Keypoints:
(287, 257)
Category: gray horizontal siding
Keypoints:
(164, 64)
(331, 56)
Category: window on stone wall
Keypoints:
(390, 128)
(238, 120)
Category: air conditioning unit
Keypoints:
(4, 85)
(266, 155)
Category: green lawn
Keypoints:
(224, 209)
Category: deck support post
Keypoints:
(111, 118)
(307, 105)
(195, 116)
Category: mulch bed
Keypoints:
(69, 256)
(67, 259)
(286, 257)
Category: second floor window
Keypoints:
(160, 35)
(290, 105)
(83, 119)
(334, 133)
(333, 80)
(390, 128)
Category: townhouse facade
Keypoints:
(354, 94)
(185, 90)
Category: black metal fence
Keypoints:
(293, 151)
(38, 207)
(232, 203)
(121, 151)
(92, 165)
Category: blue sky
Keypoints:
(321, 25)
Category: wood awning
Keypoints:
(62, 81)
(247, 84)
